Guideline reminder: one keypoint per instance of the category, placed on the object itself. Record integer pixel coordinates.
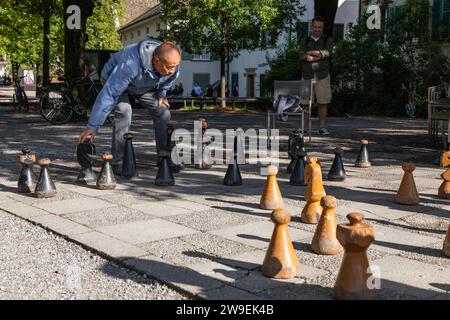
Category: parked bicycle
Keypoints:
(61, 105)
(20, 99)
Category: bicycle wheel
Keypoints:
(56, 107)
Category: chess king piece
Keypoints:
(295, 143)
(314, 192)
(363, 158)
(353, 280)
(446, 247)
(325, 241)
(271, 198)
(407, 192)
(84, 151)
(337, 170)
(298, 174)
(106, 179)
(172, 148)
(280, 261)
(233, 175)
(129, 168)
(444, 189)
(164, 176)
(27, 180)
(45, 188)
(203, 163)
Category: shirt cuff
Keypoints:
(94, 128)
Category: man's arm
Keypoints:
(326, 53)
(303, 55)
(116, 84)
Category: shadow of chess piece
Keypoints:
(84, 151)
(325, 241)
(363, 158)
(295, 143)
(27, 180)
(446, 246)
(106, 179)
(337, 170)
(444, 188)
(129, 168)
(407, 192)
(172, 148)
(314, 192)
(353, 280)
(164, 176)
(45, 188)
(204, 164)
(271, 198)
(280, 261)
(298, 174)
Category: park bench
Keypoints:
(438, 111)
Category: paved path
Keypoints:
(209, 240)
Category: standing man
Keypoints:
(315, 53)
(145, 70)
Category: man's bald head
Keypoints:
(166, 58)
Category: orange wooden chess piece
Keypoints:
(271, 198)
(314, 192)
(407, 192)
(446, 247)
(353, 280)
(444, 189)
(280, 261)
(325, 241)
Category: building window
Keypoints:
(268, 39)
(204, 56)
(158, 27)
(139, 33)
(338, 32)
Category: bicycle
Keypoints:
(59, 106)
(20, 98)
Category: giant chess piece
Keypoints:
(106, 179)
(271, 198)
(363, 158)
(233, 175)
(295, 143)
(446, 246)
(129, 168)
(45, 188)
(27, 180)
(314, 192)
(337, 170)
(352, 282)
(325, 241)
(203, 162)
(280, 261)
(164, 176)
(444, 188)
(298, 174)
(407, 192)
(84, 152)
(172, 148)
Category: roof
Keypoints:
(152, 12)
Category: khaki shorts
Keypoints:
(322, 90)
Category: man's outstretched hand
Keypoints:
(164, 101)
(87, 133)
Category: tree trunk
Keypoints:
(46, 46)
(222, 80)
(326, 9)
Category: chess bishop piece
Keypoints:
(337, 170)
(298, 173)
(84, 152)
(129, 168)
(280, 261)
(325, 241)
(363, 158)
(444, 188)
(27, 180)
(271, 198)
(407, 192)
(164, 176)
(106, 179)
(353, 280)
(314, 192)
(45, 188)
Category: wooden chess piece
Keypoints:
(204, 164)
(337, 170)
(164, 176)
(325, 241)
(106, 179)
(271, 198)
(314, 192)
(45, 188)
(129, 167)
(233, 175)
(363, 158)
(407, 192)
(280, 261)
(27, 180)
(444, 188)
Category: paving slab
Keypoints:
(157, 209)
(218, 271)
(21, 209)
(60, 225)
(228, 293)
(74, 205)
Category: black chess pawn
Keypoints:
(45, 188)
(203, 161)
(233, 175)
(27, 180)
(298, 173)
(84, 152)
(106, 179)
(172, 148)
(164, 176)
(129, 168)
(295, 143)
(337, 170)
(363, 158)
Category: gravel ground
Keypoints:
(36, 264)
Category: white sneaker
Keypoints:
(324, 131)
